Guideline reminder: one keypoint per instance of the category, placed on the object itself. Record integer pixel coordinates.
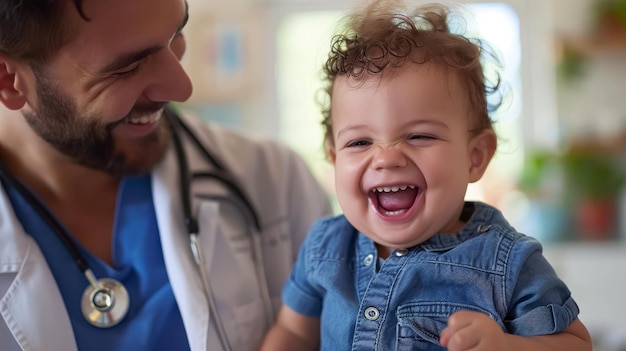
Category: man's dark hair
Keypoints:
(33, 30)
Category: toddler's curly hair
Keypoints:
(385, 36)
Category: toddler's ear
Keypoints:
(482, 148)
(331, 153)
(10, 96)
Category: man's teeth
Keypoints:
(145, 119)
(393, 189)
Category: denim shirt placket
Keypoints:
(375, 289)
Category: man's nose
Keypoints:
(170, 81)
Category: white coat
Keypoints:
(282, 191)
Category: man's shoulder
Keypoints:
(225, 136)
(240, 151)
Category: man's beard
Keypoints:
(90, 143)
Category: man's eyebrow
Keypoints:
(127, 59)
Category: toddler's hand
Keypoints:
(473, 331)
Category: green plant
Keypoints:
(539, 166)
(571, 66)
(615, 9)
(593, 175)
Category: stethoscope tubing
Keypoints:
(192, 225)
(220, 173)
(117, 297)
(49, 219)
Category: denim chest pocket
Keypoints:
(420, 324)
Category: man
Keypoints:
(96, 220)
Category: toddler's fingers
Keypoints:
(444, 338)
(456, 322)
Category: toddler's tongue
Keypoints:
(398, 200)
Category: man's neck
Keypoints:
(50, 174)
(82, 199)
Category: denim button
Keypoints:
(483, 228)
(368, 259)
(372, 313)
(401, 252)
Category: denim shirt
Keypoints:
(404, 303)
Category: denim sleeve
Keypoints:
(299, 293)
(540, 302)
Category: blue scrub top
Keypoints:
(153, 321)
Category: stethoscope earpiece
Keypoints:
(105, 304)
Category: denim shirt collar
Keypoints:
(483, 219)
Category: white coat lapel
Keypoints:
(226, 247)
(32, 306)
(181, 269)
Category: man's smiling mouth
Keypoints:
(144, 119)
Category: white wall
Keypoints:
(595, 274)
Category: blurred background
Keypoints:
(559, 173)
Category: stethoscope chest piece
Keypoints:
(106, 305)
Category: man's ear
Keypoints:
(10, 96)
(482, 148)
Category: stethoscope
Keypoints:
(241, 204)
(105, 301)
